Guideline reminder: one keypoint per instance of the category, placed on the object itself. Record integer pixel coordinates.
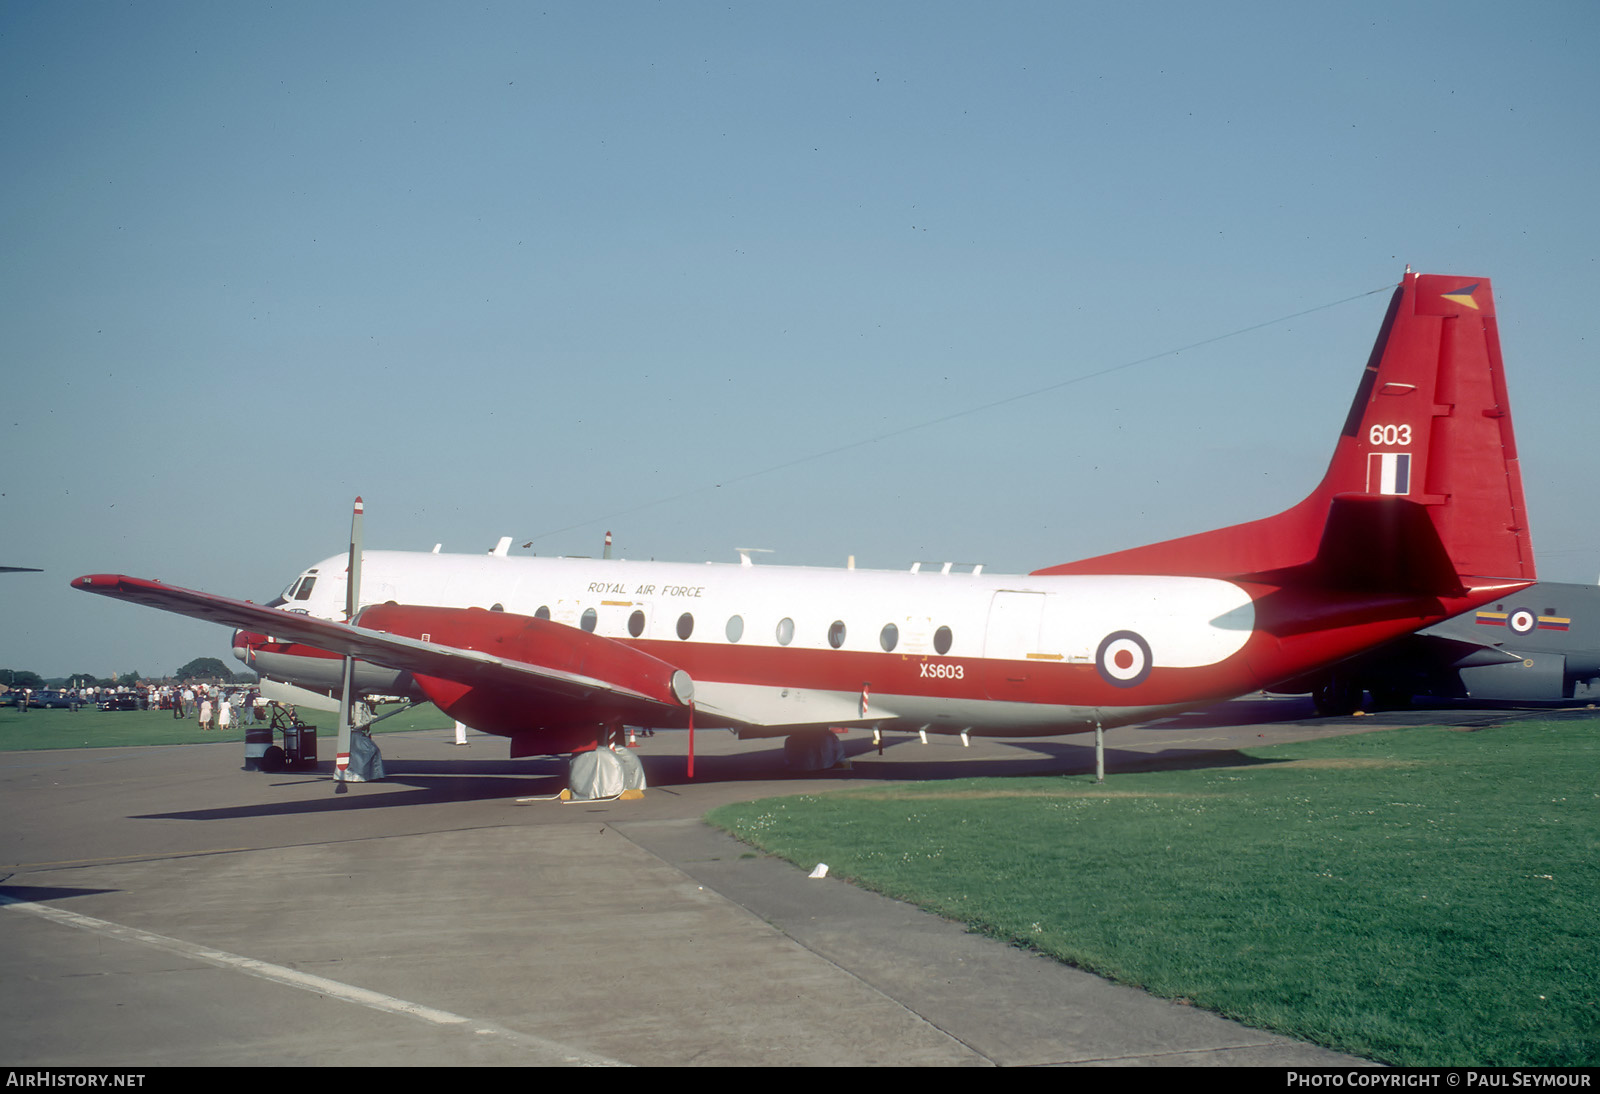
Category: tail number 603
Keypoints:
(1390, 434)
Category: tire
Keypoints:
(274, 759)
(1391, 698)
(1336, 697)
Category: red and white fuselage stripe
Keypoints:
(996, 654)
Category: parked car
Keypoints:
(54, 699)
(122, 702)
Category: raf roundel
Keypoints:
(1521, 621)
(1123, 659)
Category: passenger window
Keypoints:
(836, 634)
(785, 631)
(685, 625)
(735, 628)
(941, 640)
(889, 637)
(497, 607)
(589, 619)
(636, 624)
(543, 612)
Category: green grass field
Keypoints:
(1419, 896)
(88, 728)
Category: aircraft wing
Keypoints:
(510, 672)
(764, 711)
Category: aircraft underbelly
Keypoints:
(1000, 718)
(762, 711)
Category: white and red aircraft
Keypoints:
(1420, 517)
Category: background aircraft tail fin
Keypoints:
(1428, 438)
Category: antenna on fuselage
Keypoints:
(607, 553)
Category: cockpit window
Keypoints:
(303, 591)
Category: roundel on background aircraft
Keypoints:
(1521, 621)
(1123, 659)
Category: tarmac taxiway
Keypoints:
(165, 907)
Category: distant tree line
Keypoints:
(205, 669)
(211, 670)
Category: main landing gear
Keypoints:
(609, 770)
(1337, 697)
(1340, 696)
(813, 750)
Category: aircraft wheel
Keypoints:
(1336, 697)
(812, 750)
(1391, 698)
(274, 759)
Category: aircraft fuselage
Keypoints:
(775, 646)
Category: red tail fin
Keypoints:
(1430, 424)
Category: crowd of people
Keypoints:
(216, 706)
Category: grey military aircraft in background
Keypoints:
(1539, 645)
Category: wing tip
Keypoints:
(97, 582)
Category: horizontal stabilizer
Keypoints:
(1374, 544)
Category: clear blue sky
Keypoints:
(532, 269)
